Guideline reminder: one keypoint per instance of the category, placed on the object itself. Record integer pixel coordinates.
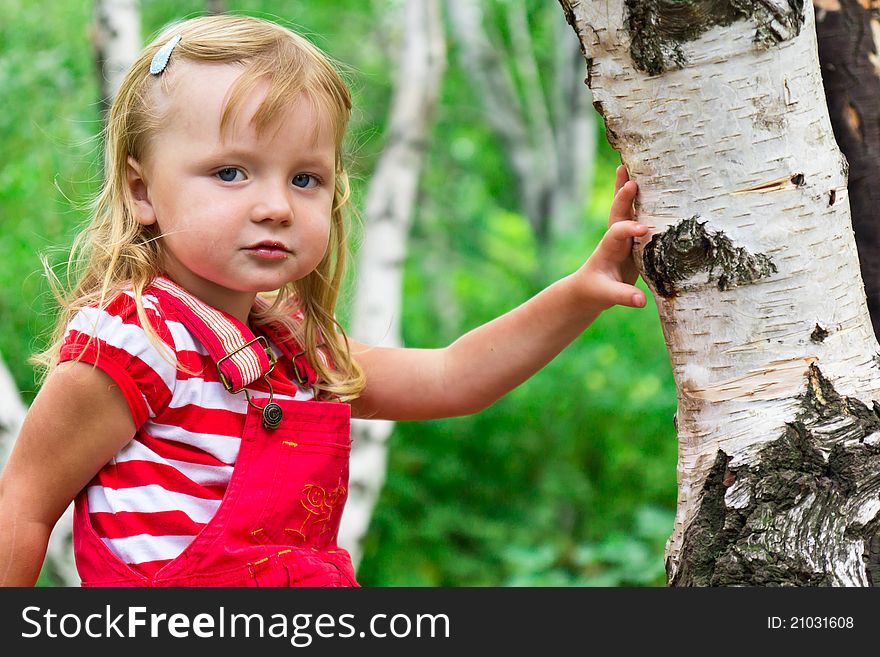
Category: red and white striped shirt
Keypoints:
(155, 495)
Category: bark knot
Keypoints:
(688, 248)
(658, 28)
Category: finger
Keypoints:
(620, 178)
(624, 229)
(629, 296)
(638, 299)
(622, 205)
(617, 244)
(617, 241)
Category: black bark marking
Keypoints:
(819, 334)
(706, 535)
(659, 27)
(872, 558)
(688, 248)
(739, 547)
(822, 402)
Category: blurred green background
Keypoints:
(567, 481)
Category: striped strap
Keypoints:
(241, 357)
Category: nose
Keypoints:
(272, 204)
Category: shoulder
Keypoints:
(119, 323)
(136, 347)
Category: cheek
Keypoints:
(326, 238)
(319, 226)
(192, 244)
(319, 243)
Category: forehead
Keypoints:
(199, 99)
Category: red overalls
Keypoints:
(278, 521)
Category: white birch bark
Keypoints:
(754, 269)
(116, 37)
(389, 210)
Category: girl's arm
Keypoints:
(489, 361)
(77, 422)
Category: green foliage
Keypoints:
(47, 130)
(569, 480)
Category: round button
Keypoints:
(272, 415)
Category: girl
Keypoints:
(199, 390)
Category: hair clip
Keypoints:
(160, 59)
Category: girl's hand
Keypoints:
(608, 276)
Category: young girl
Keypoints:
(199, 390)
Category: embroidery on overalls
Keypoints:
(319, 505)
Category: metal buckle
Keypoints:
(269, 353)
(300, 380)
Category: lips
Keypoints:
(268, 249)
(270, 245)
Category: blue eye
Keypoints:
(230, 174)
(304, 180)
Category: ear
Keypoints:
(139, 193)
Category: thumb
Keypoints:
(628, 295)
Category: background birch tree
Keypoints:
(388, 214)
(717, 110)
(541, 115)
(116, 37)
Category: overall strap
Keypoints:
(241, 357)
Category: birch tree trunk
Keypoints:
(848, 32)
(389, 211)
(116, 36)
(717, 110)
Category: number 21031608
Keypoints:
(810, 623)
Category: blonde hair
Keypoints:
(115, 252)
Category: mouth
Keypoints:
(268, 249)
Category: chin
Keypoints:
(267, 286)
